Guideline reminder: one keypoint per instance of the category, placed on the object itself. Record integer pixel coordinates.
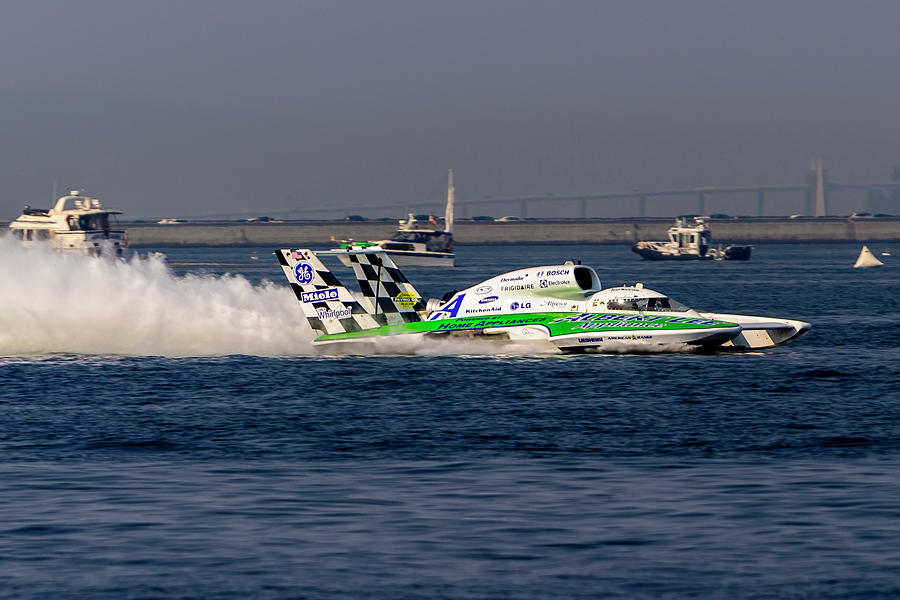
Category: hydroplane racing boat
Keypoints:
(564, 305)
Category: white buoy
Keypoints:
(867, 259)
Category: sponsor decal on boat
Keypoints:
(518, 305)
(319, 295)
(554, 303)
(516, 287)
(472, 311)
(553, 272)
(619, 324)
(488, 299)
(553, 282)
(484, 289)
(406, 299)
(634, 319)
(340, 313)
(304, 272)
(516, 278)
(474, 323)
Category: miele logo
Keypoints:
(319, 295)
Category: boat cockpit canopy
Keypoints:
(654, 303)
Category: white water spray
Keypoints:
(66, 303)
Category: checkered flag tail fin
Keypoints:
(328, 305)
(386, 287)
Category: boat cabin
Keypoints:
(435, 241)
(696, 237)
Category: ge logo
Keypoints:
(304, 272)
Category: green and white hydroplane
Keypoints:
(564, 305)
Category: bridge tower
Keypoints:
(817, 179)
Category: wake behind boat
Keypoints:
(415, 244)
(564, 305)
(76, 223)
(690, 242)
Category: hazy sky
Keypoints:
(193, 107)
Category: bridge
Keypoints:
(815, 190)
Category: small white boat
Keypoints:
(76, 223)
(867, 259)
(689, 242)
(414, 244)
(886, 252)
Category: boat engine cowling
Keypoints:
(553, 288)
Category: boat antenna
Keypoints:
(451, 192)
(377, 260)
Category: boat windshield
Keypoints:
(94, 222)
(658, 303)
(434, 242)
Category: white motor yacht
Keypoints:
(76, 223)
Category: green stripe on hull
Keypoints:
(556, 324)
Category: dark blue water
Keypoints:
(772, 474)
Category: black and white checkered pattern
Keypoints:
(328, 315)
(386, 288)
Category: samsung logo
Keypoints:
(319, 295)
(487, 299)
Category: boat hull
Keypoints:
(654, 254)
(738, 252)
(729, 253)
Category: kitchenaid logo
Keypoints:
(470, 311)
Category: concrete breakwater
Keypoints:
(584, 231)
